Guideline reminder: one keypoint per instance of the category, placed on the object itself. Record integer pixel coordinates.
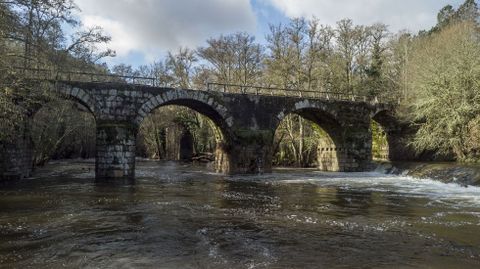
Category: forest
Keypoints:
(432, 76)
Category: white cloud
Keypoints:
(151, 27)
(413, 15)
(143, 30)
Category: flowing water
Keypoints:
(182, 216)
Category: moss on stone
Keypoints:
(259, 137)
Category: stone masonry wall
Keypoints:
(331, 159)
(17, 158)
(115, 151)
(252, 152)
(16, 161)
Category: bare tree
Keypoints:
(180, 66)
(234, 59)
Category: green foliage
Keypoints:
(444, 97)
(8, 110)
(296, 141)
(379, 142)
(467, 12)
(33, 35)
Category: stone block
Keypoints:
(68, 91)
(159, 99)
(222, 110)
(229, 121)
(75, 91)
(81, 94)
(154, 102)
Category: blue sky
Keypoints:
(143, 31)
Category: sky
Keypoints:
(143, 31)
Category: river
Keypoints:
(183, 216)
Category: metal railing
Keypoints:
(273, 91)
(80, 76)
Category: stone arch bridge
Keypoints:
(247, 119)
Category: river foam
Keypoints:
(451, 193)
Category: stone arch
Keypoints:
(331, 151)
(203, 103)
(386, 119)
(67, 92)
(199, 101)
(80, 96)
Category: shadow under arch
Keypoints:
(330, 152)
(67, 114)
(391, 126)
(222, 131)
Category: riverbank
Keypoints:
(462, 174)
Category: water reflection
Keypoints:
(397, 205)
(352, 202)
(248, 195)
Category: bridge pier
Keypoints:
(115, 158)
(351, 151)
(222, 158)
(252, 152)
(16, 157)
(400, 148)
(355, 154)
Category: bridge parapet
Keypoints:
(81, 76)
(285, 92)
